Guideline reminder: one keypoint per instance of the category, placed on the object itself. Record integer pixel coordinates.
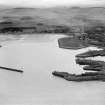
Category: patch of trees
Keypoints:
(96, 33)
(11, 29)
(96, 30)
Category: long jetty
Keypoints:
(11, 69)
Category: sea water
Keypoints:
(38, 56)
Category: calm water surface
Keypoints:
(38, 56)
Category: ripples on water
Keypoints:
(38, 56)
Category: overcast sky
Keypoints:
(52, 2)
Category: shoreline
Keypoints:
(92, 37)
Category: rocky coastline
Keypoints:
(92, 53)
(95, 70)
(87, 76)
